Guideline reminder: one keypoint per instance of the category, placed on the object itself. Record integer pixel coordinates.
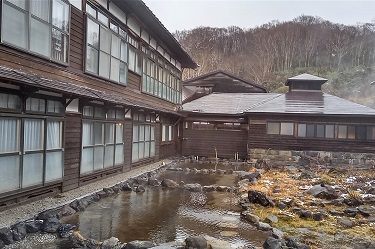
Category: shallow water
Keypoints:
(163, 215)
(238, 166)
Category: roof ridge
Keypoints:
(263, 102)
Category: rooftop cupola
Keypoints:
(305, 82)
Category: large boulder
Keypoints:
(51, 225)
(64, 230)
(258, 197)
(168, 183)
(252, 176)
(51, 213)
(193, 187)
(323, 191)
(272, 243)
(19, 231)
(6, 236)
(33, 226)
(152, 181)
(196, 242)
(110, 243)
(138, 244)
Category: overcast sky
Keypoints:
(188, 14)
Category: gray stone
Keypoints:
(323, 191)
(293, 243)
(272, 243)
(264, 226)
(116, 188)
(51, 225)
(366, 211)
(305, 214)
(318, 216)
(214, 243)
(258, 197)
(64, 230)
(222, 188)
(141, 181)
(229, 171)
(371, 219)
(345, 223)
(276, 233)
(140, 189)
(67, 211)
(209, 188)
(169, 245)
(78, 205)
(6, 236)
(126, 187)
(19, 231)
(193, 187)
(168, 183)
(252, 176)
(110, 243)
(138, 244)
(152, 181)
(91, 244)
(2, 245)
(196, 242)
(272, 219)
(33, 226)
(51, 213)
(334, 212)
(109, 191)
(281, 205)
(371, 191)
(252, 218)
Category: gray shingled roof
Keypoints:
(296, 102)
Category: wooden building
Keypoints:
(88, 89)
(280, 126)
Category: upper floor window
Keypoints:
(106, 48)
(40, 27)
(280, 128)
(135, 60)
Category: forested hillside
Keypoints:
(275, 51)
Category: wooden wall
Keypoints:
(77, 34)
(72, 154)
(167, 150)
(203, 143)
(258, 137)
(128, 140)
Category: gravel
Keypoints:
(28, 211)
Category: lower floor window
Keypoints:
(143, 141)
(31, 152)
(102, 145)
(167, 133)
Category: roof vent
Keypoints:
(305, 82)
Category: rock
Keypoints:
(272, 243)
(77, 241)
(366, 211)
(271, 219)
(276, 233)
(214, 243)
(345, 223)
(168, 183)
(64, 230)
(140, 189)
(6, 236)
(78, 205)
(33, 226)
(220, 171)
(138, 244)
(19, 231)
(323, 191)
(364, 245)
(245, 205)
(102, 194)
(141, 181)
(252, 218)
(229, 171)
(353, 202)
(264, 226)
(51, 213)
(51, 225)
(371, 219)
(222, 188)
(293, 243)
(276, 190)
(209, 188)
(110, 243)
(66, 211)
(306, 174)
(204, 171)
(318, 216)
(281, 205)
(152, 181)
(258, 197)
(91, 244)
(371, 191)
(196, 242)
(252, 176)
(126, 187)
(169, 245)
(116, 188)
(193, 187)
(334, 212)
(2, 245)
(305, 214)
(109, 191)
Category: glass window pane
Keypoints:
(98, 133)
(105, 40)
(361, 132)
(124, 51)
(40, 34)
(115, 69)
(141, 150)
(370, 132)
(135, 133)
(54, 166)
(92, 33)
(109, 155)
(104, 64)
(99, 112)
(111, 114)
(115, 48)
(92, 60)
(123, 72)
(141, 133)
(330, 131)
(60, 15)
(131, 61)
(320, 131)
(351, 132)
(35, 105)
(87, 162)
(33, 134)
(152, 132)
(59, 46)
(87, 134)
(40, 9)
(273, 128)
(152, 149)
(119, 133)
(114, 27)
(32, 169)
(14, 102)
(342, 131)
(9, 130)
(135, 152)
(98, 157)
(54, 134)
(147, 149)
(9, 173)
(286, 129)
(19, 3)
(310, 130)
(119, 154)
(14, 26)
(102, 18)
(90, 10)
(109, 133)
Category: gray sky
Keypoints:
(188, 14)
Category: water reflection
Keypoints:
(164, 215)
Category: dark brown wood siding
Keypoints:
(167, 150)
(76, 40)
(134, 81)
(258, 137)
(72, 155)
(157, 141)
(203, 143)
(128, 140)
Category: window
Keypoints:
(41, 27)
(102, 141)
(143, 136)
(278, 128)
(316, 130)
(370, 132)
(106, 48)
(35, 142)
(167, 133)
(10, 101)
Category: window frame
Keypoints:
(140, 122)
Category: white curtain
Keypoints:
(9, 130)
(40, 9)
(109, 155)
(32, 169)
(33, 134)
(119, 154)
(9, 173)
(152, 149)
(87, 134)
(135, 152)
(54, 131)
